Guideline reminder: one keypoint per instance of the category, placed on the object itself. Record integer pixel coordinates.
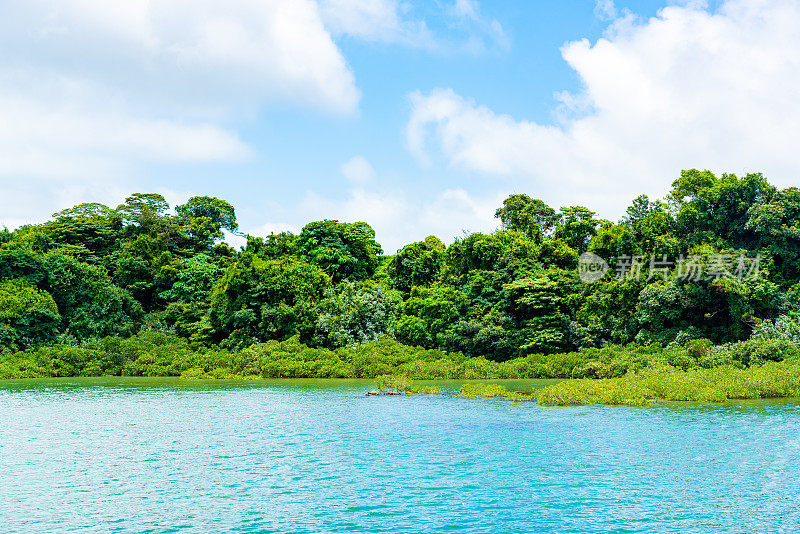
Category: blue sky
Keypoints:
(417, 117)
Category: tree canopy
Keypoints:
(94, 271)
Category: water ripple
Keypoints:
(167, 456)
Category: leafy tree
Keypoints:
(273, 246)
(541, 308)
(611, 241)
(195, 279)
(607, 314)
(205, 218)
(142, 207)
(428, 313)
(776, 225)
(649, 228)
(346, 251)
(22, 262)
(577, 227)
(28, 316)
(153, 244)
(259, 299)
(187, 313)
(714, 211)
(783, 328)
(220, 212)
(5, 236)
(492, 336)
(146, 267)
(350, 315)
(666, 309)
(528, 215)
(558, 253)
(501, 250)
(418, 264)
(93, 226)
(89, 304)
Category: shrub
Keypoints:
(784, 328)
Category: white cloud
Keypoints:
(605, 9)
(467, 9)
(396, 22)
(374, 21)
(454, 212)
(688, 88)
(399, 220)
(358, 170)
(91, 91)
(396, 219)
(486, 32)
(226, 54)
(54, 140)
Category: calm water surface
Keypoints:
(160, 455)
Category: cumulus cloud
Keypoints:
(688, 88)
(90, 90)
(220, 54)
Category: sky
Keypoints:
(416, 117)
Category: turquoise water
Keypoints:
(161, 455)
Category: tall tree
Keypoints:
(346, 251)
(530, 216)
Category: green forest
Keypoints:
(144, 289)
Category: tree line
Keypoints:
(93, 272)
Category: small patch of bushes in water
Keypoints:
(400, 385)
(490, 391)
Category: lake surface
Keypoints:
(162, 455)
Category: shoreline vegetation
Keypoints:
(695, 296)
(158, 354)
(632, 375)
(652, 384)
(660, 384)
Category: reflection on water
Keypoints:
(318, 456)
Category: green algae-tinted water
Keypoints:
(163, 455)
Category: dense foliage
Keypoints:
(154, 353)
(85, 292)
